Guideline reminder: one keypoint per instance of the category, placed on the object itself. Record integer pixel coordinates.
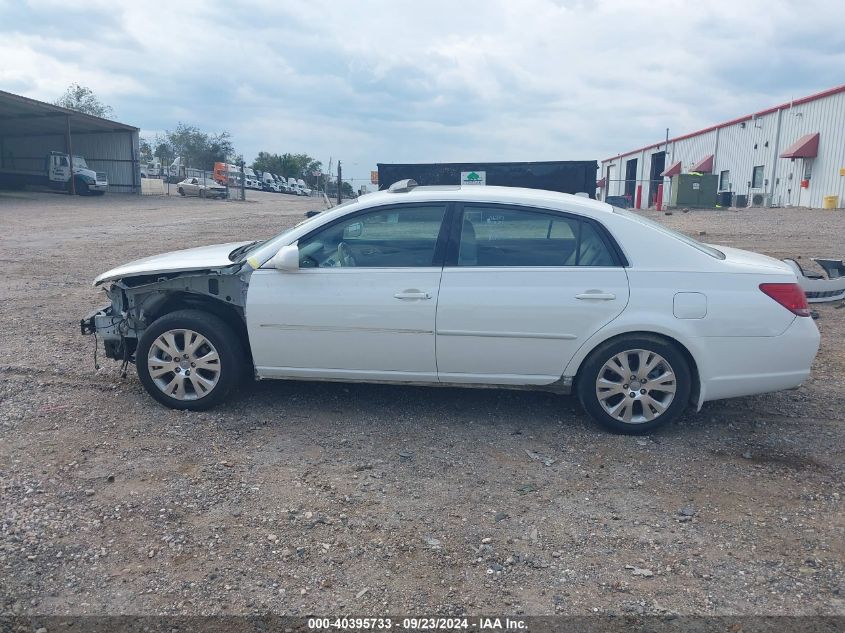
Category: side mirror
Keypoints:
(287, 258)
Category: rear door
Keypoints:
(521, 291)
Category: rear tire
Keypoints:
(634, 384)
(190, 360)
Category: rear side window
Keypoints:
(503, 236)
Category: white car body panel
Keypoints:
(200, 258)
(520, 325)
(344, 323)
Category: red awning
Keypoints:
(805, 147)
(674, 170)
(601, 183)
(705, 165)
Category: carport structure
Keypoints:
(30, 130)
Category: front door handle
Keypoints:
(412, 294)
(598, 296)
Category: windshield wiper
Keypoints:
(240, 250)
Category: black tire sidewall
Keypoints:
(596, 360)
(220, 335)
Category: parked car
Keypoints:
(202, 188)
(474, 286)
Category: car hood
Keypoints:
(201, 258)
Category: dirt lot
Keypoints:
(320, 498)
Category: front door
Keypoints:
(362, 304)
(522, 293)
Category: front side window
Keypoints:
(398, 237)
(757, 177)
(501, 236)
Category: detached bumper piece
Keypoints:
(815, 286)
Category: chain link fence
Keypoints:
(191, 182)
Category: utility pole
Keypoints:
(339, 182)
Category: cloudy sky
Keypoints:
(396, 81)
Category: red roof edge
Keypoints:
(805, 147)
(600, 183)
(705, 165)
(673, 170)
(784, 106)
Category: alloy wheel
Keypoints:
(636, 386)
(184, 364)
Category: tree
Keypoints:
(83, 99)
(196, 148)
(265, 161)
(288, 165)
(146, 150)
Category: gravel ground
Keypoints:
(300, 498)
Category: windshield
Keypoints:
(279, 240)
(79, 162)
(704, 248)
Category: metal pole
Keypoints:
(134, 161)
(243, 182)
(667, 190)
(775, 160)
(339, 182)
(69, 147)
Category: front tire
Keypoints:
(181, 191)
(635, 383)
(189, 359)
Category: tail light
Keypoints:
(790, 296)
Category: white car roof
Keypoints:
(449, 193)
(476, 193)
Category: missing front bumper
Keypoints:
(88, 324)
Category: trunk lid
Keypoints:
(753, 262)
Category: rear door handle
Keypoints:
(412, 294)
(598, 296)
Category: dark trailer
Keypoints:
(566, 176)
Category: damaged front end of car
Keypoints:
(136, 301)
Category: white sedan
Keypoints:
(475, 286)
(202, 188)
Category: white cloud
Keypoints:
(399, 81)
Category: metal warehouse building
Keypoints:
(30, 130)
(792, 154)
